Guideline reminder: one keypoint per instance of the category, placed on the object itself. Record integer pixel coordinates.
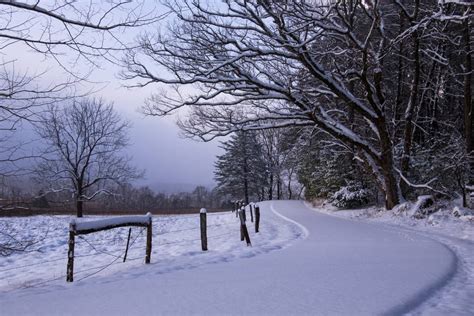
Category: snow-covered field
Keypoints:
(176, 245)
(303, 262)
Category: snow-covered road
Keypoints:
(340, 267)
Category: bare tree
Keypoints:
(262, 64)
(81, 29)
(84, 140)
(74, 37)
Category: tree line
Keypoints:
(124, 198)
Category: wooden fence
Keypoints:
(89, 227)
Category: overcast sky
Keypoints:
(156, 145)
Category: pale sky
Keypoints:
(157, 146)
(155, 142)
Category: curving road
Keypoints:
(342, 267)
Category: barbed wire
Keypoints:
(98, 252)
(113, 261)
(32, 264)
(94, 248)
(82, 240)
(195, 228)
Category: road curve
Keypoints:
(341, 267)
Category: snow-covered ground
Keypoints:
(303, 262)
(456, 233)
(176, 245)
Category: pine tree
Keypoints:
(241, 170)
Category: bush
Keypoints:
(350, 196)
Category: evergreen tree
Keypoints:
(241, 171)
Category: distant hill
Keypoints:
(169, 187)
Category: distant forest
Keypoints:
(124, 199)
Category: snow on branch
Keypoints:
(421, 186)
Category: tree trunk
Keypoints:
(290, 192)
(246, 189)
(270, 187)
(278, 187)
(468, 106)
(246, 171)
(79, 205)
(400, 72)
(78, 184)
(391, 186)
(410, 113)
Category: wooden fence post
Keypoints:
(239, 212)
(244, 233)
(243, 212)
(203, 217)
(257, 218)
(128, 242)
(251, 211)
(148, 238)
(70, 253)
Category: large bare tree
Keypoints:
(261, 64)
(85, 142)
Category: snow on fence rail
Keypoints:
(77, 228)
(88, 227)
(92, 226)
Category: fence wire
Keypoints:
(117, 257)
(98, 252)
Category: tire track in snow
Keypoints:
(303, 228)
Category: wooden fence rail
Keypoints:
(89, 227)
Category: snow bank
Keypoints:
(421, 207)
